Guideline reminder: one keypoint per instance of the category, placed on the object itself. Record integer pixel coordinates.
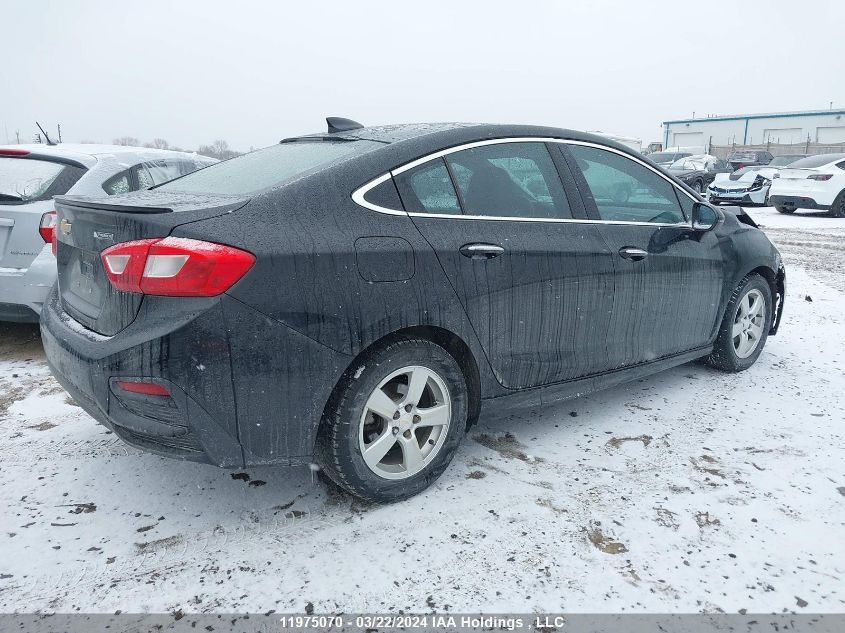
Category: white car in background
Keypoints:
(749, 185)
(30, 175)
(816, 182)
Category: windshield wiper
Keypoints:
(9, 197)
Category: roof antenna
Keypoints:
(339, 124)
(49, 141)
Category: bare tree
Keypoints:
(158, 143)
(218, 149)
(127, 140)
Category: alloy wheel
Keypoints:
(405, 422)
(748, 323)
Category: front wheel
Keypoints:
(745, 326)
(397, 420)
(698, 186)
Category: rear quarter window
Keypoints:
(269, 167)
(117, 184)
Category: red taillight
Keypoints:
(11, 151)
(820, 176)
(175, 267)
(143, 388)
(47, 228)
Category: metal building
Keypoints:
(815, 126)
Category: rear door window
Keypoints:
(509, 180)
(624, 190)
(164, 170)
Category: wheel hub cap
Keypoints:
(405, 422)
(747, 331)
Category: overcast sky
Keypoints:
(254, 72)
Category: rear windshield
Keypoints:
(816, 161)
(741, 156)
(268, 167)
(780, 161)
(26, 179)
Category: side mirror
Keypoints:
(704, 217)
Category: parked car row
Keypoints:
(698, 171)
(358, 298)
(31, 175)
(787, 183)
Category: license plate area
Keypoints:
(83, 284)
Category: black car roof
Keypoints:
(412, 140)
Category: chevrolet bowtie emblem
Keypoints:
(64, 225)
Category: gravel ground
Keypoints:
(690, 491)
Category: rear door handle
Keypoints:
(634, 254)
(481, 251)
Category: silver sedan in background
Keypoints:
(30, 175)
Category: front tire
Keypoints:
(837, 209)
(396, 421)
(745, 326)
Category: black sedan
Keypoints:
(749, 158)
(358, 298)
(699, 171)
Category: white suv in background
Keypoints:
(30, 175)
(815, 182)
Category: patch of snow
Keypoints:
(692, 490)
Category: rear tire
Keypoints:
(837, 209)
(381, 443)
(782, 209)
(745, 326)
(698, 186)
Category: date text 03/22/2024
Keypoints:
(415, 621)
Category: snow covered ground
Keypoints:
(689, 491)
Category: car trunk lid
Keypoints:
(799, 173)
(20, 241)
(86, 227)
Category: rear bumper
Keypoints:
(188, 426)
(23, 290)
(799, 202)
(246, 390)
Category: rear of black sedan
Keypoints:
(144, 328)
(357, 298)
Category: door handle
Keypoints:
(634, 254)
(481, 251)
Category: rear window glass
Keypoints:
(817, 161)
(780, 161)
(665, 157)
(267, 167)
(28, 179)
